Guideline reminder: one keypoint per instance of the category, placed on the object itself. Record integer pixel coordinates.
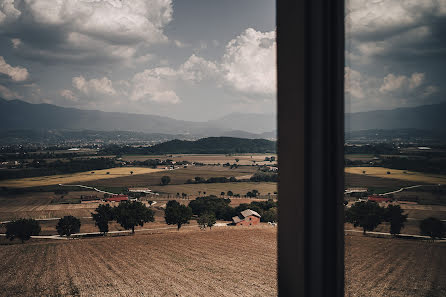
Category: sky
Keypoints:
(395, 53)
(192, 60)
(203, 59)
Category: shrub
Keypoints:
(132, 213)
(432, 227)
(68, 225)
(23, 229)
(177, 214)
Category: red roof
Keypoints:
(118, 198)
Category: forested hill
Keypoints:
(215, 145)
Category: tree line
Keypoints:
(369, 215)
(130, 214)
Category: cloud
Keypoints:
(197, 69)
(8, 94)
(395, 29)
(401, 83)
(153, 85)
(99, 86)
(68, 94)
(15, 73)
(352, 80)
(66, 29)
(249, 63)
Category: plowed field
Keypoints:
(220, 262)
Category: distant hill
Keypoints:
(425, 117)
(251, 122)
(214, 145)
(20, 115)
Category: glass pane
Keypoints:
(395, 148)
(138, 148)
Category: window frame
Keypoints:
(310, 105)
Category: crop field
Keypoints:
(412, 176)
(359, 157)
(77, 177)
(177, 176)
(216, 188)
(394, 267)
(220, 262)
(244, 159)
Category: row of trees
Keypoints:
(369, 215)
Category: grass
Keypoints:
(404, 175)
(216, 188)
(76, 177)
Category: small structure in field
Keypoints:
(379, 199)
(117, 198)
(247, 217)
(90, 199)
(140, 190)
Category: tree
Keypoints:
(394, 215)
(131, 172)
(206, 219)
(68, 225)
(222, 193)
(270, 215)
(23, 229)
(367, 215)
(230, 194)
(132, 213)
(165, 180)
(432, 227)
(177, 214)
(103, 215)
(237, 159)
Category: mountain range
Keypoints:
(20, 115)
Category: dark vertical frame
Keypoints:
(310, 59)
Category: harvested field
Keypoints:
(244, 159)
(411, 176)
(216, 188)
(177, 176)
(185, 263)
(394, 267)
(374, 183)
(77, 177)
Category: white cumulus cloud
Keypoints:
(16, 73)
(95, 85)
(249, 63)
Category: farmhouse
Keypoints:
(246, 218)
(117, 198)
(379, 199)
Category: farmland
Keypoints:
(411, 176)
(208, 263)
(243, 159)
(76, 177)
(216, 188)
(394, 267)
(177, 176)
(185, 263)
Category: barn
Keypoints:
(117, 198)
(247, 217)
